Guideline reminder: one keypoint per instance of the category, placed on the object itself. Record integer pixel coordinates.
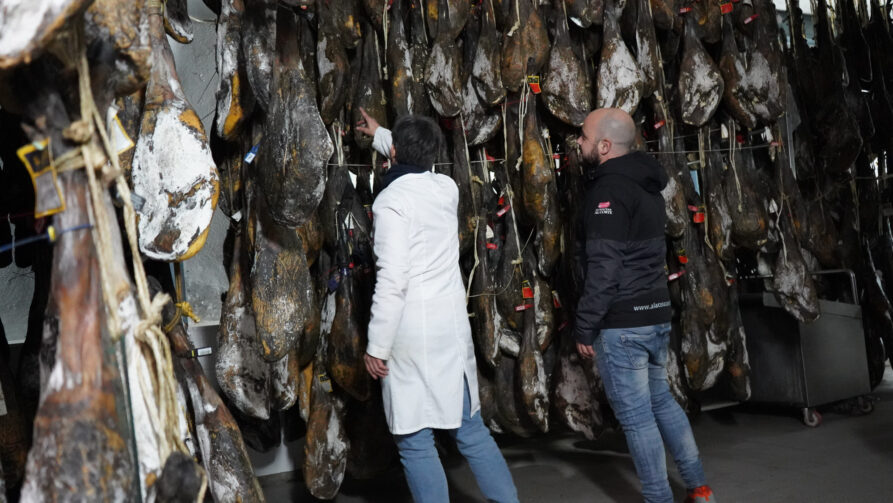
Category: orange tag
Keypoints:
(725, 7)
(534, 82)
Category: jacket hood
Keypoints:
(638, 166)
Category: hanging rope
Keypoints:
(385, 27)
(522, 113)
(474, 209)
(734, 165)
(183, 307)
(147, 331)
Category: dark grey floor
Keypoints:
(751, 454)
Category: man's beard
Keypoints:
(590, 160)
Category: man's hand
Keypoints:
(585, 351)
(368, 125)
(377, 368)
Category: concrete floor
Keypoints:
(750, 453)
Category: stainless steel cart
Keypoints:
(806, 364)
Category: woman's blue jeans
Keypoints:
(424, 473)
(633, 366)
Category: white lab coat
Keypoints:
(419, 322)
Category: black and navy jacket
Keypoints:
(625, 249)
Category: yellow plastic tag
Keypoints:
(48, 199)
(325, 382)
(118, 136)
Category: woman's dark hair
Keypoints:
(418, 140)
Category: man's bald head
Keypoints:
(607, 133)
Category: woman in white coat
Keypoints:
(419, 336)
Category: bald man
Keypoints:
(623, 316)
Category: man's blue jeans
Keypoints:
(425, 474)
(633, 366)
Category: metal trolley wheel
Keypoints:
(811, 417)
(865, 404)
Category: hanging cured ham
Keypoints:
(172, 168)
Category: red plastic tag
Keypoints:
(676, 275)
(502, 211)
(682, 259)
(534, 82)
(523, 307)
(556, 301)
(501, 200)
(526, 291)
(725, 7)
(751, 18)
(492, 246)
(698, 217)
(685, 10)
(659, 124)
(739, 137)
